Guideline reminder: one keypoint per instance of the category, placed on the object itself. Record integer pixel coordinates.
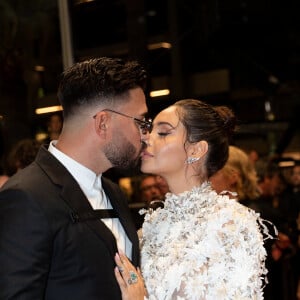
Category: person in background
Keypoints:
(61, 221)
(238, 176)
(54, 127)
(289, 206)
(162, 185)
(150, 192)
(290, 202)
(20, 156)
(23, 154)
(3, 179)
(270, 178)
(257, 187)
(201, 245)
(148, 195)
(253, 156)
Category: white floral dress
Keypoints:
(203, 246)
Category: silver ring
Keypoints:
(133, 278)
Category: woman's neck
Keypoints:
(180, 185)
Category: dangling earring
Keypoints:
(191, 160)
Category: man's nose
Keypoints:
(145, 137)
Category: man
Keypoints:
(148, 195)
(61, 222)
(54, 127)
(149, 190)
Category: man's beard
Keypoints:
(122, 154)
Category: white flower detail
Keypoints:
(203, 246)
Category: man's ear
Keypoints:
(101, 122)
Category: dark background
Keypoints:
(244, 54)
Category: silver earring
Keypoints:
(191, 160)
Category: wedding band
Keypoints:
(133, 278)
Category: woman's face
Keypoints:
(165, 153)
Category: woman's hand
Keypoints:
(129, 278)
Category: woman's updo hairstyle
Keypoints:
(213, 124)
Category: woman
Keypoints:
(239, 176)
(201, 245)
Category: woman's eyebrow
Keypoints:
(165, 123)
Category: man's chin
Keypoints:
(132, 167)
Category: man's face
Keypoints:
(150, 190)
(124, 149)
(296, 176)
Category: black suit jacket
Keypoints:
(46, 250)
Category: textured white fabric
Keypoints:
(202, 245)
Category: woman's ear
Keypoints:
(199, 149)
(196, 151)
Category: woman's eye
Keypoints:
(163, 133)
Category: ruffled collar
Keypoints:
(197, 198)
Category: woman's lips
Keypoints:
(146, 154)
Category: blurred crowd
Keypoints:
(23, 152)
(274, 193)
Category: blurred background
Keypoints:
(241, 53)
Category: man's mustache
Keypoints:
(144, 146)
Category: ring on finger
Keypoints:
(121, 269)
(133, 278)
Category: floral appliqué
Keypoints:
(202, 245)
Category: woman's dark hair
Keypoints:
(98, 80)
(213, 124)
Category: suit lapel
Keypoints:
(73, 196)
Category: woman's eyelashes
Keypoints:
(163, 133)
(164, 129)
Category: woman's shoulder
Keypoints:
(230, 209)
